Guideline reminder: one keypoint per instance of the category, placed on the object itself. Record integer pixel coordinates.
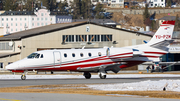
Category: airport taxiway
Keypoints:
(75, 97)
(29, 82)
(70, 97)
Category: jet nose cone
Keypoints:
(11, 66)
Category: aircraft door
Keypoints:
(57, 59)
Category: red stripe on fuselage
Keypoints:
(148, 56)
(155, 53)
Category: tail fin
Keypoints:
(163, 34)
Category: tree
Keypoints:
(169, 3)
(7, 5)
(62, 5)
(45, 3)
(153, 25)
(11, 5)
(76, 5)
(49, 4)
(52, 5)
(86, 9)
(99, 11)
(146, 15)
(29, 6)
(177, 23)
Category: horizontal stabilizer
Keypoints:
(162, 45)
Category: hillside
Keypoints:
(129, 21)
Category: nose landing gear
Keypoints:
(23, 76)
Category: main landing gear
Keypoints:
(102, 73)
(87, 75)
(23, 76)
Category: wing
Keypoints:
(111, 67)
(162, 63)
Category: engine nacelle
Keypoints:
(119, 53)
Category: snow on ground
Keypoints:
(171, 85)
(81, 76)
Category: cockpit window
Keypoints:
(32, 55)
(42, 56)
(37, 56)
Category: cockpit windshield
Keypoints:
(32, 55)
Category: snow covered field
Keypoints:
(171, 85)
(81, 76)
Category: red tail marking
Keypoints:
(169, 22)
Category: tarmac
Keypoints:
(70, 97)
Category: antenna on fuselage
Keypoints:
(83, 47)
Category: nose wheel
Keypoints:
(23, 77)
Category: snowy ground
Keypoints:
(81, 76)
(171, 85)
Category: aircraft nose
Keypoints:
(11, 66)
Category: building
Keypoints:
(156, 3)
(106, 22)
(14, 21)
(117, 4)
(65, 36)
(94, 2)
(68, 1)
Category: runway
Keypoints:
(70, 97)
(75, 97)
(29, 82)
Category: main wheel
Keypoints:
(23, 77)
(102, 76)
(87, 75)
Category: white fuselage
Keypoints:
(72, 59)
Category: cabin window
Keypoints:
(89, 54)
(99, 53)
(81, 54)
(32, 55)
(73, 55)
(65, 55)
(42, 56)
(37, 56)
